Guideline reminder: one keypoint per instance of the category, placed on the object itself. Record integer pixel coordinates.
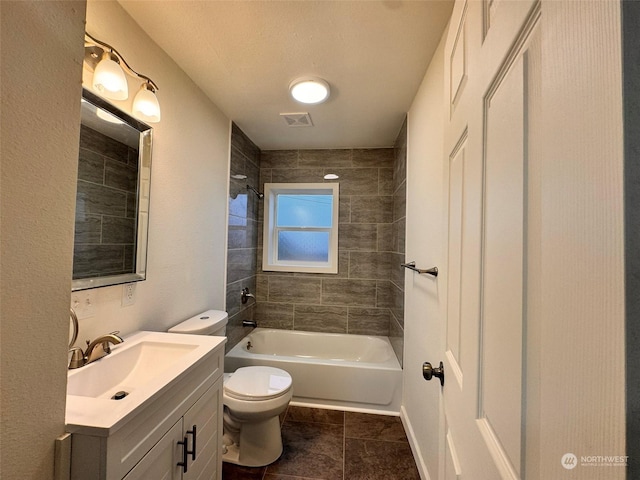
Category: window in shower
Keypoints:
(301, 227)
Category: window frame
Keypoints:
(270, 261)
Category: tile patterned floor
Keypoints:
(335, 445)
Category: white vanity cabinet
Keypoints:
(144, 445)
(173, 456)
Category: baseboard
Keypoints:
(413, 442)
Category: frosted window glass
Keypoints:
(238, 205)
(304, 210)
(303, 246)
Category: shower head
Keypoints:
(258, 194)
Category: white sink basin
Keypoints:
(145, 364)
(126, 369)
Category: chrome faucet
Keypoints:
(100, 347)
(245, 295)
(249, 323)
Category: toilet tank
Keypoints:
(211, 322)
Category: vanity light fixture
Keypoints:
(331, 176)
(109, 79)
(309, 90)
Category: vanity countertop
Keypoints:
(145, 366)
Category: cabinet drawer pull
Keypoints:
(184, 461)
(193, 443)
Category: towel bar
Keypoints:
(412, 266)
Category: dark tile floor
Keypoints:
(335, 445)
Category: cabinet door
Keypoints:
(205, 415)
(161, 461)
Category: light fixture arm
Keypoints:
(105, 46)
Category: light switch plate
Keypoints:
(83, 303)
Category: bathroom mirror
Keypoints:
(112, 198)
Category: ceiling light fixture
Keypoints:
(309, 90)
(109, 80)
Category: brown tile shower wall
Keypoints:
(365, 297)
(243, 233)
(396, 281)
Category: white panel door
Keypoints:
(530, 289)
(488, 55)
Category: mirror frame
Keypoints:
(142, 222)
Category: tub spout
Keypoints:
(249, 323)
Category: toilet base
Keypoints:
(260, 444)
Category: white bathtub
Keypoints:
(329, 370)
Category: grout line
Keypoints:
(344, 445)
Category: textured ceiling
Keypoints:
(244, 54)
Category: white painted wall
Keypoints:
(41, 69)
(424, 295)
(189, 181)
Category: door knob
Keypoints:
(428, 372)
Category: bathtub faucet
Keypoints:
(249, 323)
(245, 295)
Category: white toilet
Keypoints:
(253, 399)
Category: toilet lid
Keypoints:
(257, 383)
(204, 323)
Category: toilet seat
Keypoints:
(257, 383)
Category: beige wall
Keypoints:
(187, 246)
(41, 75)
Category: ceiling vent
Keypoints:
(297, 119)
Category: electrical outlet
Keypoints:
(128, 294)
(83, 303)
